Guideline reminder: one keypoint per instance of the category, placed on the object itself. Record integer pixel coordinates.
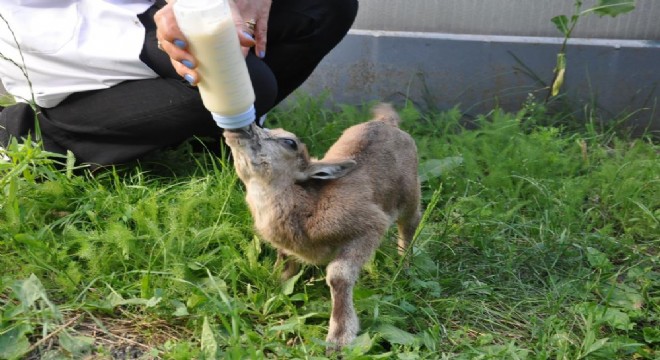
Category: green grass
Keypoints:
(537, 242)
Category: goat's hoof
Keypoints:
(335, 344)
(333, 349)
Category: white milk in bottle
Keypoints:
(224, 82)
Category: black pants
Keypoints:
(133, 118)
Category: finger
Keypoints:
(191, 76)
(172, 41)
(260, 39)
(246, 39)
(170, 37)
(177, 54)
(167, 27)
(261, 32)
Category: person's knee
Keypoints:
(343, 13)
(337, 19)
(17, 120)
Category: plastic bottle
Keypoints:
(224, 83)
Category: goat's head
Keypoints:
(278, 157)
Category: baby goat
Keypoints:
(335, 210)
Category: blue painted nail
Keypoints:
(262, 54)
(188, 64)
(180, 43)
(248, 35)
(189, 78)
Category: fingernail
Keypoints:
(189, 78)
(180, 43)
(188, 64)
(262, 54)
(248, 35)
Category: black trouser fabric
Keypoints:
(134, 118)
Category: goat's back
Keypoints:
(386, 157)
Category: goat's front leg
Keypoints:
(344, 324)
(342, 273)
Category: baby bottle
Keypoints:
(224, 84)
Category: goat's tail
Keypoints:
(386, 113)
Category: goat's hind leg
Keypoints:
(407, 226)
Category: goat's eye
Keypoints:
(290, 143)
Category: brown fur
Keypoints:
(335, 210)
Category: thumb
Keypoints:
(246, 39)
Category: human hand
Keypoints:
(257, 11)
(172, 41)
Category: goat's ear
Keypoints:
(329, 170)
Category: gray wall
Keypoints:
(484, 53)
(505, 17)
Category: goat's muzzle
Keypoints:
(240, 133)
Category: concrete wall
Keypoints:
(456, 53)
(505, 17)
